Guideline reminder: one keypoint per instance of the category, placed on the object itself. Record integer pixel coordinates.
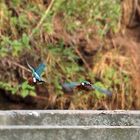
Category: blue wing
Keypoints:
(71, 84)
(68, 87)
(40, 69)
(105, 91)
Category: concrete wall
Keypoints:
(69, 125)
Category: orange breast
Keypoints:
(30, 81)
(86, 88)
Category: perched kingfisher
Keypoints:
(85, 85)
(36, 72)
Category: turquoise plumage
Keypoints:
(36, 73)
(105, 91)
(68, 87)
(39, 70)
(85, 85)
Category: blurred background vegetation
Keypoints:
(77, 40)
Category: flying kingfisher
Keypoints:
(36, 73)
(85, 85)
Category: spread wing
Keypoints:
(71, 84)
(105, 91)
(40, 69)
(68, 87)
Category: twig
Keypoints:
(80, 55)
(42, 19)
(19, 65)
(113, 43)
(40, 97)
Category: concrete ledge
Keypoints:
(70, 133)
(69, 125)
(70, 118)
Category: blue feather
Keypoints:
(40, 69)
(105, 91)
(68, 87)
(71, 84)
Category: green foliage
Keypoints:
(19, 29)
(78, 14)
(26, 89)
(62, 65)
(13, 47)
(109, 75)
(102, 86)
(20, 22)
(8, 87)
(16, 2)
(23, 90)
(113, 78)
(82, 13)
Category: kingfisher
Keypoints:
(85, 85)
(36, 73)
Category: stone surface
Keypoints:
(69, 125)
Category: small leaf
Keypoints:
(24, 93)
(32, 93)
